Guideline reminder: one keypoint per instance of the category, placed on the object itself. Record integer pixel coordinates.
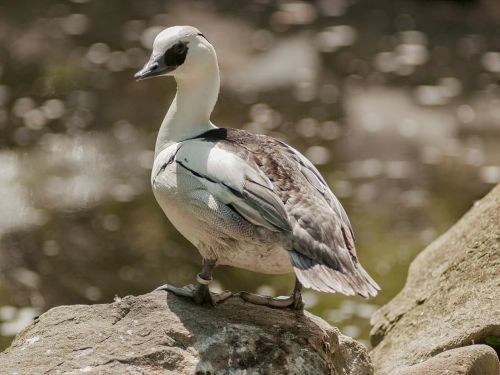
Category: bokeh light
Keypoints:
(397, 103)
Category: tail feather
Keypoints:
(325, 279)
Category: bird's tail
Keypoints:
(322, 278)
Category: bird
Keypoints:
(245, 200)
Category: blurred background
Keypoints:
(396, 102)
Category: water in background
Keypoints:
(397, 103)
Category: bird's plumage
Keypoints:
(245, 200)
(271, 185)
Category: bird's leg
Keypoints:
(293, 301)
(200, 293)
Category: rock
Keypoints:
(450, 298)
(469, 360)
(159, 333)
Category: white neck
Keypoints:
(189, 113)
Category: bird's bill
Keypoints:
(154, 67)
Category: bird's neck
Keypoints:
(189, 113)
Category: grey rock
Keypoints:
(468, 360)
(159, 333)
(451, 295)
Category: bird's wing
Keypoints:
(315, 178)
(272, 185)
(324, 254)
(235, 181)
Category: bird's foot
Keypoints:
(200, 294)
(294, 301)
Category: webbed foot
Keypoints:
(200, 294)
(294, 301)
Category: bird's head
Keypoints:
(178, 51)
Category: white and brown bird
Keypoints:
(242, 199)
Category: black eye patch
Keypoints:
(176, 55)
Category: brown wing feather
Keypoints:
(323, 255)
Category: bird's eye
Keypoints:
(179, 48)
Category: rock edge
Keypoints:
(163, 334)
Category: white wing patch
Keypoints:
(234, 181)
